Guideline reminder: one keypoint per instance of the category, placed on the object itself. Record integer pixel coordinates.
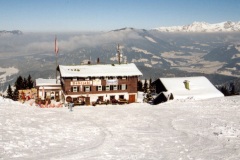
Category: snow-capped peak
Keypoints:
(227, 26)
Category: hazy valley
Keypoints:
(157, 54)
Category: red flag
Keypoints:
(56, 46)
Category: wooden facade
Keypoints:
(102, 88)
(88, 89)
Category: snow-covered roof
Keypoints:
(98, 70)
(46, 82)
(199, 87)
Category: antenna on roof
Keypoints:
(119, 54)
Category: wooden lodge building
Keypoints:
(85, 84)
(48, 88)
(184, 88)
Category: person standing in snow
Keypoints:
(71, 104)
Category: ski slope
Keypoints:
(186, 129)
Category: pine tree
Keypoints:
(139, 85)
(232, 89)
(225, 91)
(145, 86)
(29, 82)
(24, 84)
(15, 95)
(9, 92)
(19, 83)
(150, 81)
(150, 84)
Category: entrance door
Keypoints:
(131, 98)
(87, 100)
(57, 95)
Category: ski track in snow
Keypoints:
(186, 129)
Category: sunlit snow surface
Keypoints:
(187, 129)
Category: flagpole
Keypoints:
(56, 52)
(56, 68)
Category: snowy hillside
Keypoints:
(203, 27)
(189, 129)
(5, 73)
(184, 54)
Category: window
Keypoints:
(99, 88)
(115, 87)
(74, 79)
(124, 86)
(119, 87)
(103, 88)
(121, 96)
(87, 78)
(75, 88)
(107, 88)
(87, 88)
(112, 97)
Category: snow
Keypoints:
(43, 82)
(140, 60)
(227, 26)
(141, 50)
(237, 47)
(200, 88)
(180, 129)
(150, 39)
(7, 72)
(100, 70)
(148, 65)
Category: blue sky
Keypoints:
(104, 15)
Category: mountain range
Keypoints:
(215, 55)
(227, 26)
